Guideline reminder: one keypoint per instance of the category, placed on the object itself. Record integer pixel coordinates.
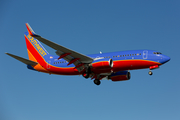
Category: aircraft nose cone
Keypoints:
(166, 58)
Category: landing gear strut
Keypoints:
(97, 82)
(87, 73)
(150, 72)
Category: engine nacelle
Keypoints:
(120, 76)
(102, 64)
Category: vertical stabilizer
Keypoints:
(34, 48)
(36, 51)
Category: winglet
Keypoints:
(30, 30)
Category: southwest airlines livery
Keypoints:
(113, 65)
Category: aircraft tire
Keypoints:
(97, 82)
(85, 75)
(150, 72)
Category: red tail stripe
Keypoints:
(29, 29)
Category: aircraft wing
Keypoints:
(64, 50)
(25, 61)
(69, 55)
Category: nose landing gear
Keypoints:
(150, 72)
(152, 68)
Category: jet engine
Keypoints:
(102, 64)
(120, 76)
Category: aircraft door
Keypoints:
(145, 54)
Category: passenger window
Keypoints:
(157, 53)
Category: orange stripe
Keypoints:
(37, 67)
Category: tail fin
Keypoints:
(36, 51)
(30, 30)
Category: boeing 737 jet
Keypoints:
(113, 65)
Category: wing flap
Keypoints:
(25, 61)
(69, 59)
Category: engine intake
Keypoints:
(120, 76)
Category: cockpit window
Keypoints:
(157, 53)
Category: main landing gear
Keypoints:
(97, 82)
(87, 73)
(150, 72)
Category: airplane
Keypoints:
(113, 66)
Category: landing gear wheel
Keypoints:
(97, 82)
(150, 72)
(85, 75)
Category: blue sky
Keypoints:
(89, 27)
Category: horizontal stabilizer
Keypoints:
(25, 61)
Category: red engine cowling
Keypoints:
(102, 64)
(120, 76)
